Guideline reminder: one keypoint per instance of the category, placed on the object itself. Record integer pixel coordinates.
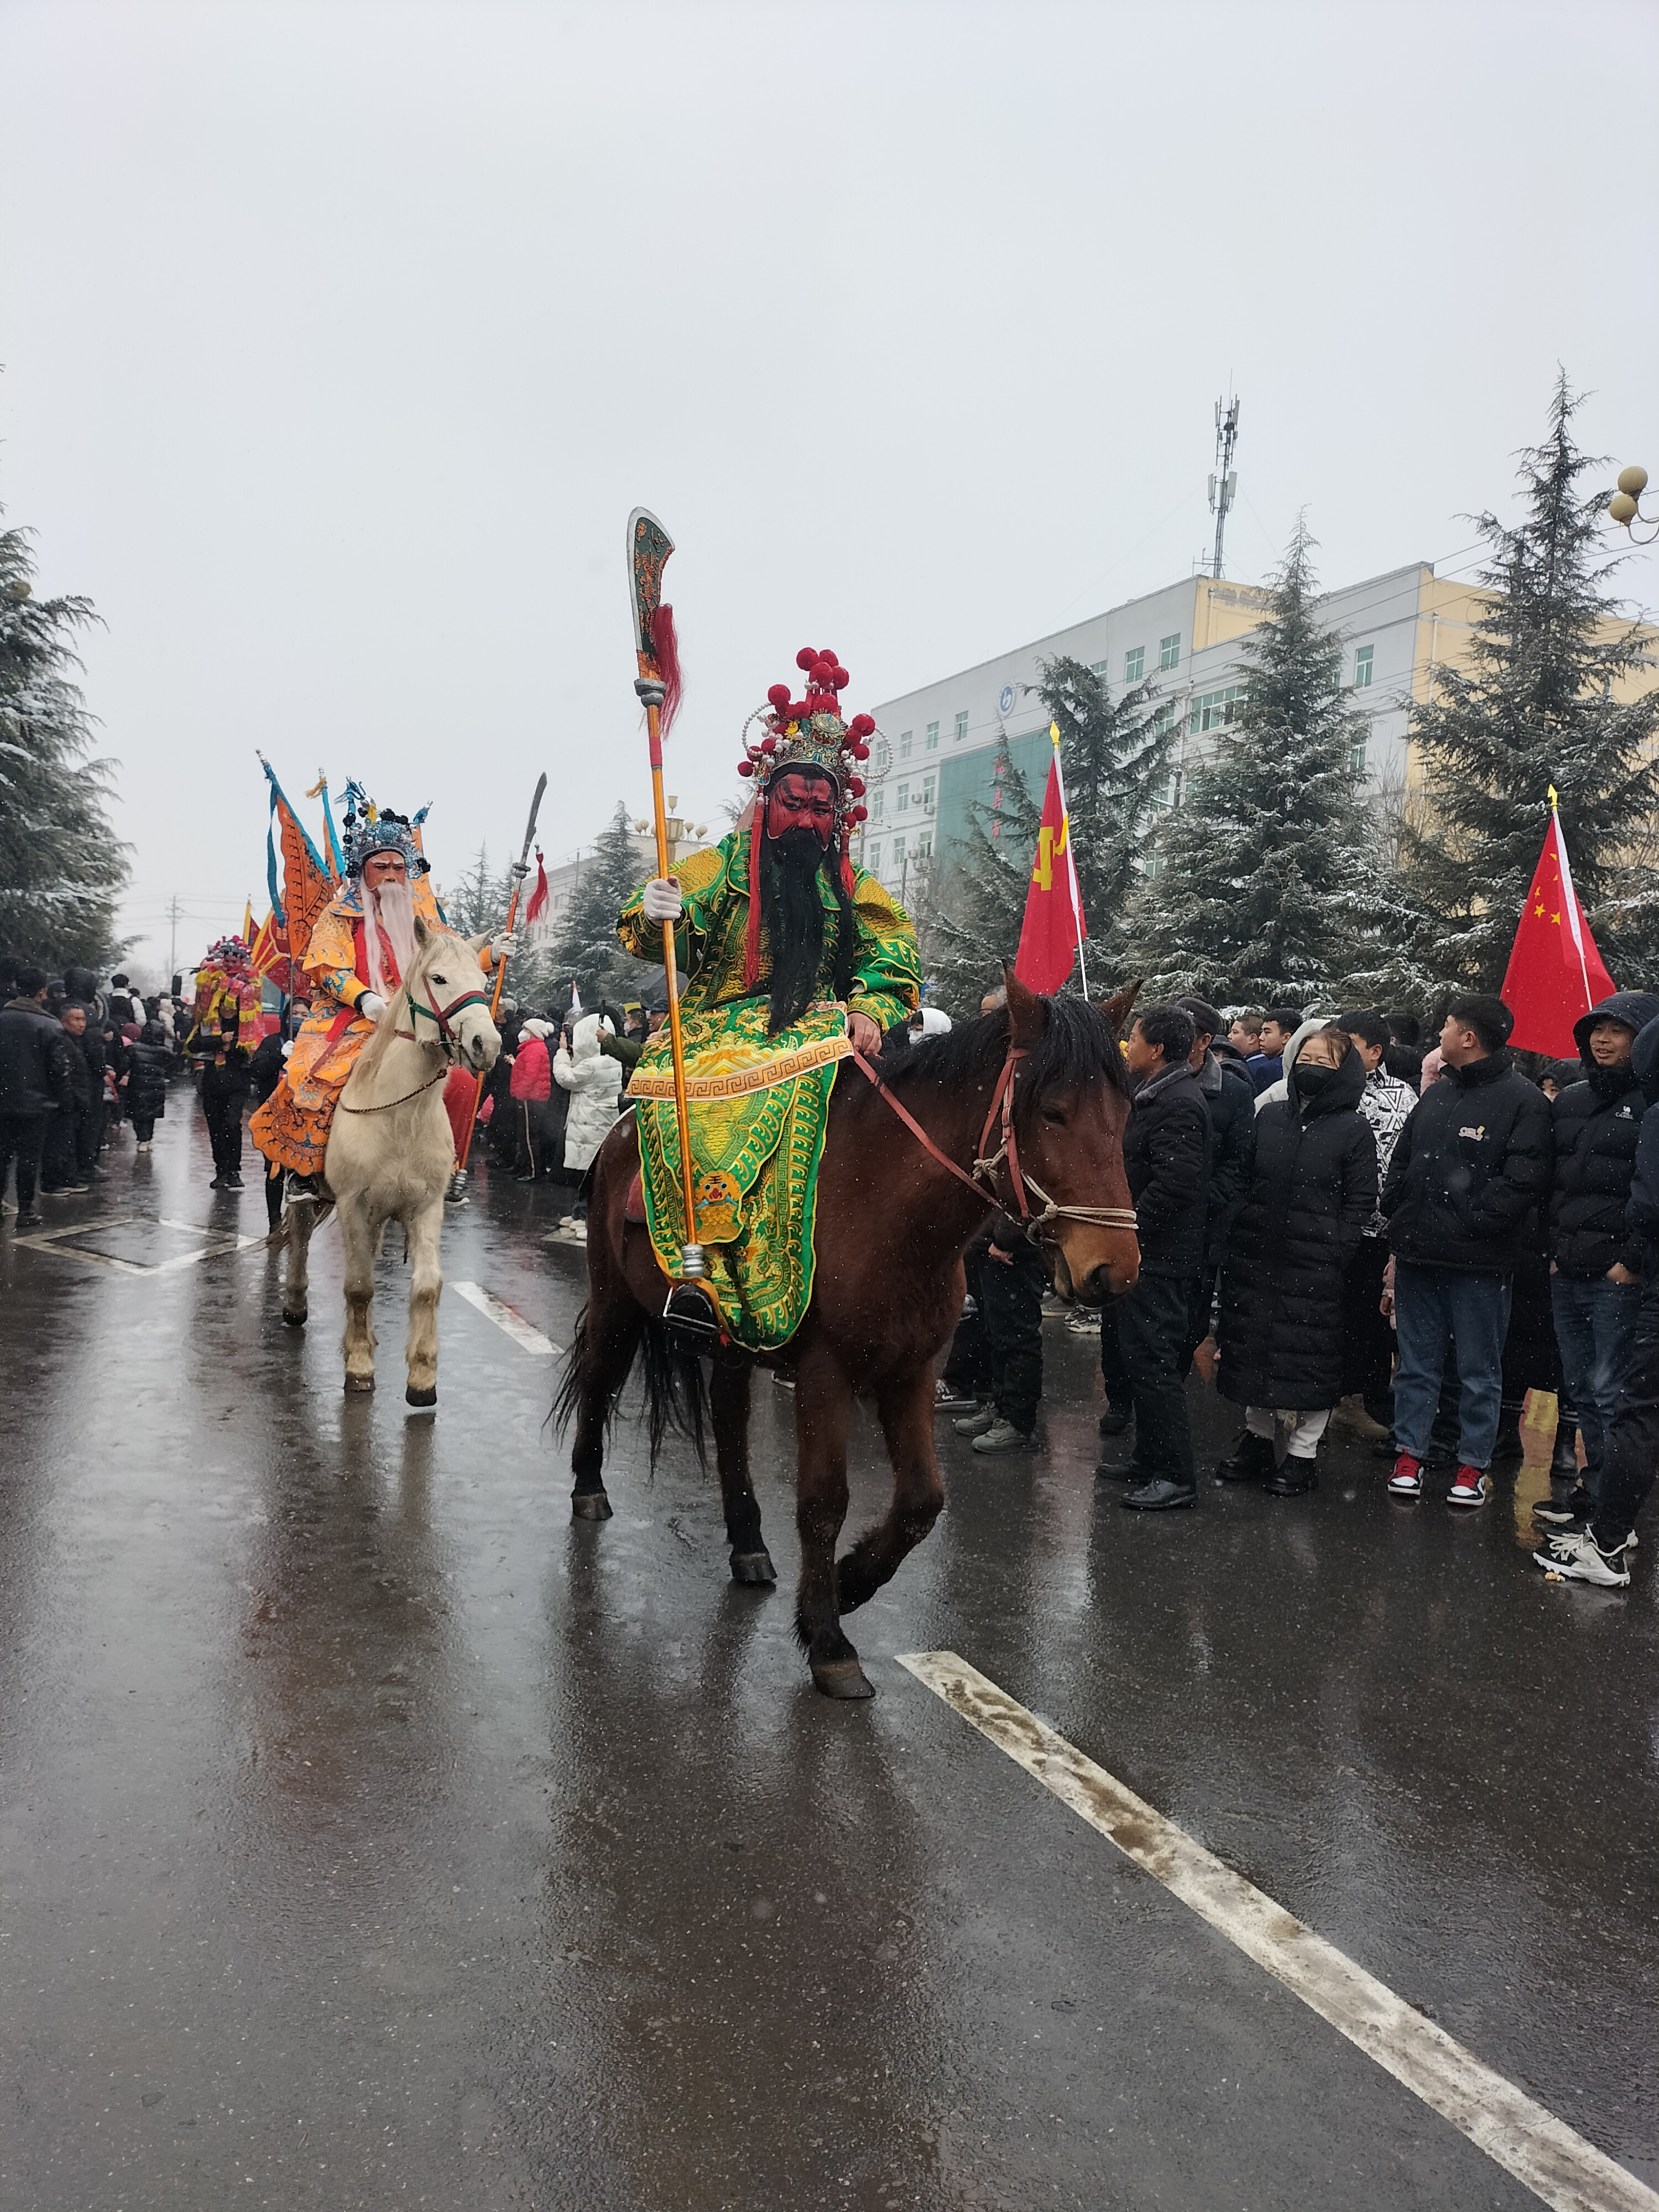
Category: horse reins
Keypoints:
(440, 1016)
(985, 1165)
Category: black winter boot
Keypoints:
(1250, 1460)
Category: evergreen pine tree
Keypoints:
(584, 946)
(971, 907)
(1535, 705)
(477, 901)
(1115, 756)
(61, 866)
(1262, 880)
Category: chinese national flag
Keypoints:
(1555, 973)
(1054, 928)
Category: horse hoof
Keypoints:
(841, 1678)
(753, 1567)
(355, 1383)
(589, 1505)
(414, 1397)
(293, 1319)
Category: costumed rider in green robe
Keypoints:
(795, 958)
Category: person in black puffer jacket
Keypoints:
(147, 1082)
(1166, 1157)
(1596, 1261)
(1229, 1098)
(1312, 1191)
(1469, 1175)
(34, 1086)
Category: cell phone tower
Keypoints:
(1224, 484)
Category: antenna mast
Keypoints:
(1224, 484)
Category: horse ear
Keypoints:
(422, 934)
(1116, 1008)
(1027, 1014)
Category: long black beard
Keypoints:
(792, 915)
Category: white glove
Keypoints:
(503, 947)
(662, 900)
(371, 1005)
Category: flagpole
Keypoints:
(1572, 897)
(1071, 865)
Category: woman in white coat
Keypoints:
(593, 1080)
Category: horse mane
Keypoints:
(376, 1050)
(1078, 1047)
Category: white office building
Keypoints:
(948, 738)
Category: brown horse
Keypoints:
(896, 1212)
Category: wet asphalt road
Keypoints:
(374, 1835)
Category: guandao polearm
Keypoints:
(520, 869)
(657, 685)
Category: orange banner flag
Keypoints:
(1555, 973)
(1053, 931)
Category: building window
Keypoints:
(1169, 651)
(1134, 665)
(905, 743)
(962, 728)
(1215, 710)
(927, 794)
(1357, 757)
(1362, 668)
(903, 797)
(924, 848)
(878, 805)
(898, 852)
(1163, 717)
(874, 861)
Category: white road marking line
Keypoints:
(506, 1316)
(224, 1241)
(1538, 2149)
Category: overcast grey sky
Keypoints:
(338, 342)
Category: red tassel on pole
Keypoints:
(537, 906)
(666, 652)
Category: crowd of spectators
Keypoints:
(1335, 1223)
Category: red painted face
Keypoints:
(801, 800)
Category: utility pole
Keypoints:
(1223, 483)
(174, 910)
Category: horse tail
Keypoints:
(676, 1395)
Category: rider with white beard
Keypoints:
(361, 947)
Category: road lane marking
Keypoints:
(1538, 2149)
(222, 1241)
(506, 1317)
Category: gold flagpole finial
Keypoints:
(1551, 799)
(1053, 735)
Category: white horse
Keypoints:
(390, 1151)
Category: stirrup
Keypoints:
(693, 1319)
(302, 1190)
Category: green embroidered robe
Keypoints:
(758, 1104)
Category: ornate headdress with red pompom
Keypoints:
(808, 732)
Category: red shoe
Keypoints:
(1469, 1488)
(1407, 1480)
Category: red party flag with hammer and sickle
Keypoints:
(1555, 974)
(1053, 931)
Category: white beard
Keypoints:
(391, 908)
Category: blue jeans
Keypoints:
(1594, 1325)
(1433, 1306)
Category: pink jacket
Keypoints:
(533, 1072)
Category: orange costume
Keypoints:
(292, 1126)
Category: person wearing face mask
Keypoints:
(1313, 1190)
(795, 958)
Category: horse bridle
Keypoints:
(1007, 1154)
(438, 1016)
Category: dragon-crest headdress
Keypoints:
(369, 830)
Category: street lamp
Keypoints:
(677, 829)
(1624, 506)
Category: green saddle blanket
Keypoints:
(758, 1107)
